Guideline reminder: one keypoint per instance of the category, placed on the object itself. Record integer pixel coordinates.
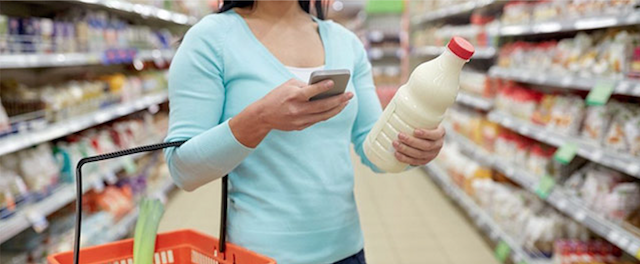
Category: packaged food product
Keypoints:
(539, 159)
(567, 114)
(542, 115)
(516, 12)
(616, 136)
(632, 130)
(596, 123)
(623, 199)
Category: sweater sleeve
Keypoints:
(196, 100)
(369, 107)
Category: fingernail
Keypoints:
(402, 136)
(396, 144)
(329, 83)
(418, 132)
(349, 95)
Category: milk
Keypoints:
(420, 103)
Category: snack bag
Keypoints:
(596, 122)
(567, 114)
(542, 114)
(623, 199)
(632, 131)
(5, 126)
(616, 137)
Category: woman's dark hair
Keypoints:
(304, 4)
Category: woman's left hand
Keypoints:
(421, 147)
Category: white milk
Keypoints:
(420, 103)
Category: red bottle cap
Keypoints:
(461, 47)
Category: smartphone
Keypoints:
(340, 80)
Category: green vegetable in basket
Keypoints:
(144, 240)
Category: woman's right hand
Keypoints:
(287, 108)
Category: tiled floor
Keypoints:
(406, 220)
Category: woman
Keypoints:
(238, 93)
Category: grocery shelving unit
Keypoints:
(19, 61)
(591, 151)
(32, 212)
(59, 198)
(559, 197)
(380, 53)
(140, 10)
(431, 51)
(451, 11)
(622, 87)
(474, 101)
(583, 23)
(23, 140)
(482, 219)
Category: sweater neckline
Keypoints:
(272, 58)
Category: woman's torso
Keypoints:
(296, 188)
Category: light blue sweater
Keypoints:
(291, 198)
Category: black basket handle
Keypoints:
(126, 152)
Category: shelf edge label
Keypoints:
(600, 92)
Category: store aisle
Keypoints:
(405, 217)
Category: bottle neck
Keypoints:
(451, 60)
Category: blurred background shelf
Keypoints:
(63, 195)
(583, 23)
(481, 218)
(559, 198)
(451, 11)
(598, 154)
(17, 61)
(474, 101)
(630, 87)
(432, 51)
(21, 140)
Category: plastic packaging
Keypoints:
(421, 103)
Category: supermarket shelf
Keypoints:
(381, 53)
(622, 87)
(20, 61)
(432, 51)
(585, 23)
(451, 11)
(619, 161)
(145, 11)
(482, 219)
(378, 36)
(20, 141)
(59, 198)
(559, 198)
(474, 101)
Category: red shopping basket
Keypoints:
(177, 247)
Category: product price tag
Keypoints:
(129, 165)
(566, 152)
(38, 221)
(544, 187)
(502, 251)
(600, 93)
